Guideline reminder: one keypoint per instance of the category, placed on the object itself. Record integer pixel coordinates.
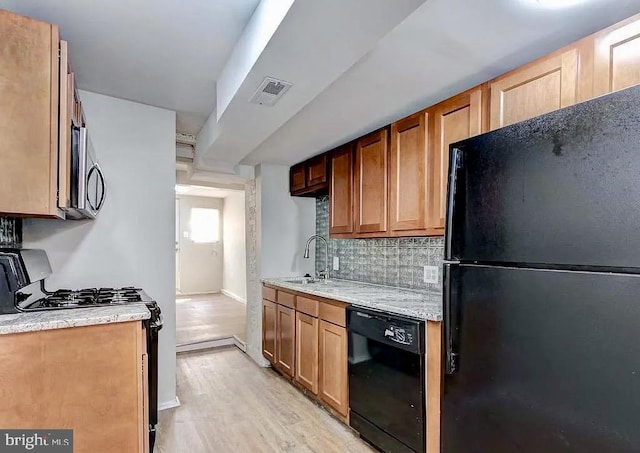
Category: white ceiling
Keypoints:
(356, 65)
(164, 53)
(443, 48)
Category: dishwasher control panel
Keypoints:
(398, 334)
(390, 329)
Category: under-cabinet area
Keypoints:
(350, 346)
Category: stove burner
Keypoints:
(65, 298)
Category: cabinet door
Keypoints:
(371, 183)
(285, 340)
(317, 171)
(269, 316)
(452, 120)
(333, 384)
(617, 57)
(307, 351)
(341, 191)
(408, 173)
(297, 178)
(545, 85)
(29, 85)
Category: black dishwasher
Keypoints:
(386, 380)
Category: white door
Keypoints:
(200, 245)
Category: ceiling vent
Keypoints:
(270, 91)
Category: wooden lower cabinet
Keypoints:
(285, 339)
(307, 352)
(333, 385)
(90, 379)
(269, 316)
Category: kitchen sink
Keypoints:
(303, 280)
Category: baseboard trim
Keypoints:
(205, 345)
(239, 343)
(163, 405)
(233, 296)
(207, 293)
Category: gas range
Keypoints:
(22, 289)
(90, 297)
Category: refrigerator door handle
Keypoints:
(451, 326)
(455, 163)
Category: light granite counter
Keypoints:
(423, 305)
(61, 319)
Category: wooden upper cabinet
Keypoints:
(285, 339)
(297, 176)
(333, 385)
(29, 84)
(371, 183)
(542, 86)
(307, 352)
(453, 120)
(269, 328)
(317, 171)
(341, 191)
(409, 173)
(310, 178)
(616, 62)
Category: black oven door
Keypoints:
(386, 380)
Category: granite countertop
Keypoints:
(60, 319)
(418, 304)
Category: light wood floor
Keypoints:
(231, 405)
(209, 317)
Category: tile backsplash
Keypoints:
(394, 262)
(10, 231)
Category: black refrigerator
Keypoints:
(542, 284)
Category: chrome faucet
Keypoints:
(323, 273)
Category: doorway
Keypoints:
(210, 267)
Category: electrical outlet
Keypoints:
(431, 274)
(336, 263)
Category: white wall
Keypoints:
(283, 225)
(234, 267)
(286, 223)
(200, 265)
(132, 240)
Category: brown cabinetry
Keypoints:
(371, 183)
(307, 351)
(542, 86)
(309, 344)
(91, 379)
(341, 191)
(616, 62)
(333, 386)
(450, 121)
(285, 339)
(310, 178)
(409, 174)
(29, 83)
(269, 316)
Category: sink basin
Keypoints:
(302, 280)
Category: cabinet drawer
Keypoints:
(308, 306)
(335, 314)
(269, 294)
(286, 299)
